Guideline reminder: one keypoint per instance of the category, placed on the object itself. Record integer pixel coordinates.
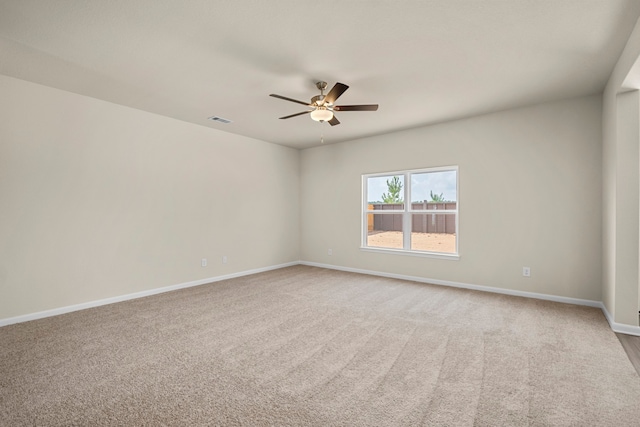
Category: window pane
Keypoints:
(384, 231)
(433, 232)
(385, 192)
(433, 187)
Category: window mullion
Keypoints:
(365, 217)
(406, 216)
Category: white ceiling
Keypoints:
(422, 61)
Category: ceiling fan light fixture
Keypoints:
(322, 106)
(321, 114)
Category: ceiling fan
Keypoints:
(323, 105)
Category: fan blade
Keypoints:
(290, 99)
(334, 121)
(371, 107)
(335, 92)
(296, 114)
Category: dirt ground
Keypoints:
(433, 242)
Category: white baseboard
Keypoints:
(566, 300)
(616, 327)
(97, 303)
(619, 327)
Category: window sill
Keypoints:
(437, 255)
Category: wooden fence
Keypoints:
(430, 222)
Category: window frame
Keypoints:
(407, 213)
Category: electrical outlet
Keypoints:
(224, 259)
(526, 271)
(330, 252)
(203, 262)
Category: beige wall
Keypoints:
(544, 160)
(620, 170)
(627, 205)
(99, 200)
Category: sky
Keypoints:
(421, 185)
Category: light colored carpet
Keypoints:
(308, 346)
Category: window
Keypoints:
(427, 224)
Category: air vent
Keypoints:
(220, 119)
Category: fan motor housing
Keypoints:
(317, 100)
